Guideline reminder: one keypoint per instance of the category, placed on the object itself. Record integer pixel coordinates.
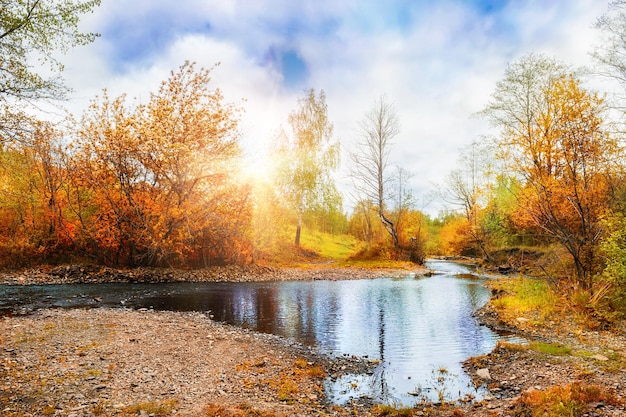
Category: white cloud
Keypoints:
(438, 61)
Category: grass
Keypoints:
(330, 247)
(553, 349)
(300, 382)
(375, 264)
(384, 410)
(242, 410)
(525, 297)
(572, 400)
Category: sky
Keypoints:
(436, 61)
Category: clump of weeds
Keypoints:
(572, 400)
(301, 378)
(242, 410)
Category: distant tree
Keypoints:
(309, 156)
(35, 29)
(370, 160)
(467, 188)
(361, 221)
(403, 197)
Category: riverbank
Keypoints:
(116, 362)
(562, 369)
(91, 274)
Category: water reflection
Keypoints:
(413, 326)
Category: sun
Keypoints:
(257, 169)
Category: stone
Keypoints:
(599, 357)
(483, 373)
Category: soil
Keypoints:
(119, 362)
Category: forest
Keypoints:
(159, 183)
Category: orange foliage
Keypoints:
(151, 184)
(567, 172)
(569, 400)
(456, 238)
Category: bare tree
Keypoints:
(370, 161)
(611, 53)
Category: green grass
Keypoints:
(554, 349)
(525, 296)
(331, 247)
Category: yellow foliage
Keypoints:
(455, 237)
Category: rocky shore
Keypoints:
(554, 358)
(89, 274)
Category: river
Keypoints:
(420, 329)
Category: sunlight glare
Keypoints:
(256, 169)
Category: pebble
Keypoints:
(483, 373)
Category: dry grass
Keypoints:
(570, 400)
(289, 383)
(242, 410)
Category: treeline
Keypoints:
(129, 184)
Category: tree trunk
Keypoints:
(389, 226)
(298, 229)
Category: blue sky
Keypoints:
(437, 61)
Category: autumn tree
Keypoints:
(361, 224)
(553, 138)
(370, 160)
(35, 29)
(402, 196)
(309, 156)
(160, 176)
(32, 201)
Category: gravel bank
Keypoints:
(76, 274)
(122, 362)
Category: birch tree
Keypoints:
(309, 158)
